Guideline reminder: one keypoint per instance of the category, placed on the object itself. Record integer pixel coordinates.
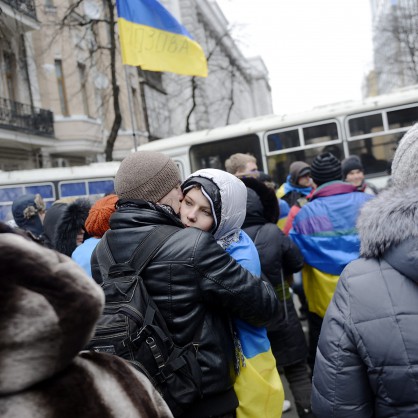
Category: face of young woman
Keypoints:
(195, 210)
(355, 177)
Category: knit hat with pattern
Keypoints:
(324, 168)
(97, 223)
(404, 165)
(146, 175)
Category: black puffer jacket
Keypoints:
(367, 358)
(277, 252)
(192, 279)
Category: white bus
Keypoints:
(92, 181)
(370, 128)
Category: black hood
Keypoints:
(262, 203)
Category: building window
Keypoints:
(9, 72)
(83, 88)
(61, 87)
(152, 78)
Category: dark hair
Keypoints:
(267, 196)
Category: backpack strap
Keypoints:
(104, 257)
(149, 246)
(142, 255)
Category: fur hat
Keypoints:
(97, 223)
(404, 165)
(351, 163)
(324, 168)
(298, 169)
(26, 209)
(146, 175)
(70, 224)
(48, 308)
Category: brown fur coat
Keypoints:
(48, 309)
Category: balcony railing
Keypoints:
(23, 117)
(23, 6)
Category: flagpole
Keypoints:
(129, 88)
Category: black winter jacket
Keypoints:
(367, 359)
(192, 279)
(277, 252)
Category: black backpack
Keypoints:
(133, 328)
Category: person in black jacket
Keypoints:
(280, 258)
(192, 280)
(64, 224)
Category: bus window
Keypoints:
(365, 124)
(375, 152)
(180, 167)
(278, 165)
(6, 212)
(320, 133)
(45, 190)
(213, 154)
(402, 118)
(283, 139)
(72, 189)
(101, 187)
(8, 194)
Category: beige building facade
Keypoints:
(56, 94)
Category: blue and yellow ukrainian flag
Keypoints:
(258, 386)
(325, 233)
(150, 37)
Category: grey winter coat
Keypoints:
(367, 358)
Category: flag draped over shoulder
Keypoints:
(152, 38)
(258, 386)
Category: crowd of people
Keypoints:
(223, 280)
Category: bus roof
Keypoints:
(95, 170)
(267, 122)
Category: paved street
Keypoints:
(288, 395)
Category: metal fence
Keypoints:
(24, 117)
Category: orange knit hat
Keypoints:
(97, 223)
